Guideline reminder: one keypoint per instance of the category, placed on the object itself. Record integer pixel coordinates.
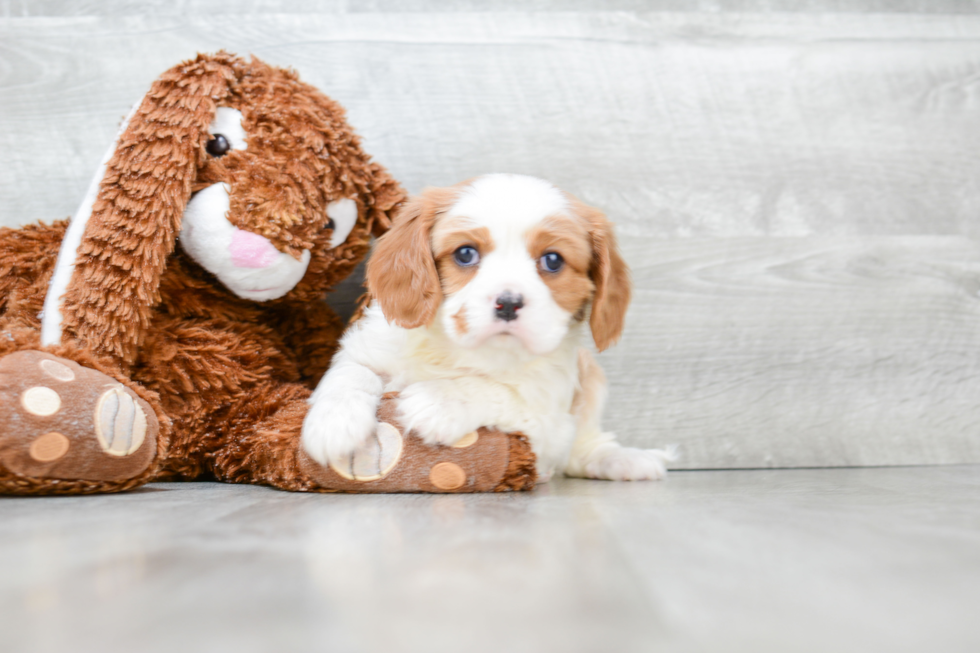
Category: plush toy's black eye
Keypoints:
(329, 225)
(218, 145)
(466, 256)
(551, 262)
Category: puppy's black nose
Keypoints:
(507, 305)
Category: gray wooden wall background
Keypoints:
(796, 184)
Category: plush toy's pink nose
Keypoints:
(250, 250)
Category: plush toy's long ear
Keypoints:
(108, 273)
(388, 198)
(401, 273)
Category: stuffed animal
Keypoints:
(173, 329)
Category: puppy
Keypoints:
(481, 293)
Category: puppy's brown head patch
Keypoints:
(567, 236)
(448, 236)
(401, 273)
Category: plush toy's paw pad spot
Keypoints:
(41, 401)
(375, 458)
(56, 370)
(447, 476)
(50, 446)
(467, 440)
(120, 423)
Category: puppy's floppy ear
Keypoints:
(401, 273)
(613, 286)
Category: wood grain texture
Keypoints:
(20, 8)
(766, 352)
(797, 192)
(677, 124)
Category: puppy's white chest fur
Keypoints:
(498, 384)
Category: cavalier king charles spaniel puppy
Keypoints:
(480, 296)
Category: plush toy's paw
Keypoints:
(59, 420)
(392, 460)
(613, 462)
(431, 409)
(334, 430)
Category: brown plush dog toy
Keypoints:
(174, 327)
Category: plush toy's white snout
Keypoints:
(246, 263)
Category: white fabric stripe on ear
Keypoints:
(51, 317)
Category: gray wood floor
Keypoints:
(844, 560)
(797, 190)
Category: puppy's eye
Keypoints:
(466, 256)
(218, 145)
(551, 262)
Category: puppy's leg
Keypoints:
(442, 411)
(343, 410)
(596, 454)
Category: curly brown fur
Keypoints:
(265, 450)
(27, 258)
(521, 474)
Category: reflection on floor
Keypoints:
(790, 560)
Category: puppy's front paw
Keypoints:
(334, 429)
(613, 462)
(434, 413)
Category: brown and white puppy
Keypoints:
(481, 294)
